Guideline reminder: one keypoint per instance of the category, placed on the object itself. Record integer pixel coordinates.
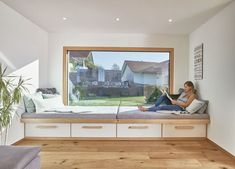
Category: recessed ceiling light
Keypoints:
(64, 18)
(170, 20)
(117, 19)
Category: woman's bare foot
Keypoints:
(141, 108)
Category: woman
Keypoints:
(184, 100)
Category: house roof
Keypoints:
(143, 67)
(81, 54)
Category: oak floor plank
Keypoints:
(70, 154)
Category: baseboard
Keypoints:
(220, 148)
(18, 142)
(117, 139)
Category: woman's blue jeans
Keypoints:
(168, 105)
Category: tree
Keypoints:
(115, 67)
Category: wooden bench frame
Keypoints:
(161, 122)
(117, 121)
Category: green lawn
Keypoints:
(115, 101)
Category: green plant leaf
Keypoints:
(10, 94)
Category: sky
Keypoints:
(107, 59)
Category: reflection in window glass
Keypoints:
(102, 78)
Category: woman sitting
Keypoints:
(184, 100)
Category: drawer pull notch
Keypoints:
(92, 127)
(138, 127)
(184, 127)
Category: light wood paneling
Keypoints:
(165, 121)
(66, 120)
(173, 154)
(119, 121)
(116, 138)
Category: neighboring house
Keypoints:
(151, 73)
(99, 75)
(165, 73)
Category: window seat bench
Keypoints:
(127, 123)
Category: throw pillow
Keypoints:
(48, 96)
(46, 104)
(28, 102)
(203, 108)
(194, 106)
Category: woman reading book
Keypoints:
(184, 100)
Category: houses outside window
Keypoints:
(111, 78)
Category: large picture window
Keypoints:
(115, 77)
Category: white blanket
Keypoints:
(85, 109)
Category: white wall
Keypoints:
(22, 42)
(23, 49)
(16, 129)
(218, 84)
(57, 41)
(146, 78)
(128, 74)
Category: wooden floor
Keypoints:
(131, 155)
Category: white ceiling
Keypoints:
(136, 16)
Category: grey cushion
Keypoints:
(15, 157)
(181, 90)
(85, 115)
(34, 164)
(47, 90)
(204, 107)
(134, 113)
(105, 112)
(28, 102)
(83, 112)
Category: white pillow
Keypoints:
(195, 106)
(48, 96)
(47, 104)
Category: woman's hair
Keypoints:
(190, 84)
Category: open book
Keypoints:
(166, 93)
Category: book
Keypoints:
(166, 93)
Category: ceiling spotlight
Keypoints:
(64, 18)
(117, 19)
(170, 20)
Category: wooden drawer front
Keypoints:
(184, 130)
(47, 130)
(138, 130)
(93, 130)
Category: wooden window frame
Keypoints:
(113, 49)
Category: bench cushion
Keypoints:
(134, 113)
(110, 112)
(34, 164)
(82, 112)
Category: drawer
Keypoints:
(184, 130)
(138, 130)
(93, 130)
(47, 130)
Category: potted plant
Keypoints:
(11, 89)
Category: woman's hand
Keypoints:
(174, 102)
